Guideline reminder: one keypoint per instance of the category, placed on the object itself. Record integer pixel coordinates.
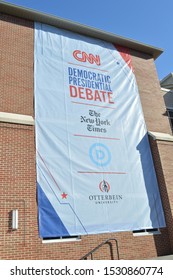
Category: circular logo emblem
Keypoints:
(104, 186)
(100, 154)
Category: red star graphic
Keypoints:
(64, 195)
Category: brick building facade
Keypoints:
(17, 148)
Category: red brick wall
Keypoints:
(153, 104)
(163, 155)
(150, 93)
(17, 166)
(16, 44)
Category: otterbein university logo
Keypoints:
(104, 197)
(104, 186)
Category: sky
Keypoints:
(146, 21)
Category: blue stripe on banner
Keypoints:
(50, 225)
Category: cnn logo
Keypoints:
(83, 57)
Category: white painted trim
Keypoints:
(156, 232)
(58, 240)
(161, 136)
(16, 118)
(166, 90)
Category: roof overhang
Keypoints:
(167, 82)
(33, 15)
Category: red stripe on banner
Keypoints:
(96, 172)
(88, 104)
(90, 136)
(125, 53)
(48, 171)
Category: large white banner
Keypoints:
(94, 166)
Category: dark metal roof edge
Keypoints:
(33, 15)
(166, 77)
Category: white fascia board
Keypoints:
(161, 136)
(166, 90)
(16, 118)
